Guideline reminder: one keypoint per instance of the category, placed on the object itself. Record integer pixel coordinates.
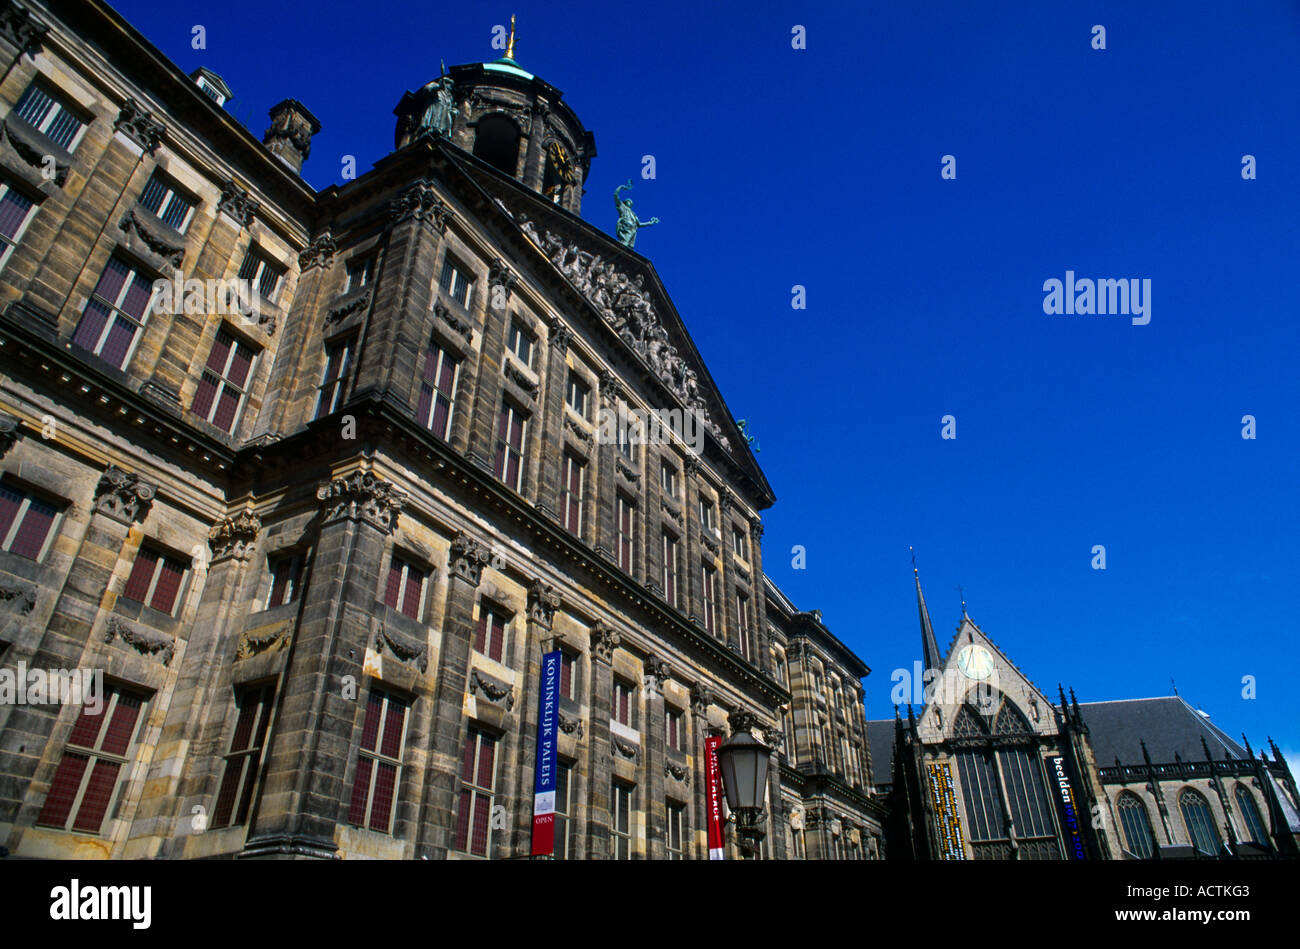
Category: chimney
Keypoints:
(289, 137)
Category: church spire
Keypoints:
(929, 647)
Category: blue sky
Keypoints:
(821, 167)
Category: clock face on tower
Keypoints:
(975, 662)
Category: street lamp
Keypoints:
(743, 761)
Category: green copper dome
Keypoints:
(507, 65)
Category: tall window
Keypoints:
(262, 273)
(49, 115)
(520, 342)
(455, 284)
(668, 480)
(575, 394)
(979, 784)
(742, 626)
(155, 580)
(490, 640)
(511, 431)
(624, 703)
(115, 313)
(738, 542)
(438, 390)
(563, 811)
(240, 778)
(361, 272)
(672, 569)
(405, 589)
(628, 433)
(286, 578)
(620, 831)
(1250, 814)
(163, 199)
(477, 783)
(15, 212)
(571, 477)
(674, 729)
(710, 600)
(568, 675)
(338, 362)
(379, 762)
(1137, 825)
(85, 785)
(223, 385)
(626, 529)
(706, 515)
(676, 831)
(1200, 822)
(26, 522)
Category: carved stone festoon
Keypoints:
(17, 599)
(628, 750)
(407, 649)
(169, 249)
(139, 126)
(494, 691)
(604, 640)
(443, 312)
(238, 203)
(123, 495)
(570, 725)
(254, 643)
(677, 772)
(361, 495)
(351, 304)
(30, 146)
(234, 536)
(543, 601)
(319, 253)
(421, 203)
(10, 429)
(468, 558)
(144, 641)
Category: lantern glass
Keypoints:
(743, 761)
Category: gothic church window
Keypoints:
(1200, 821)
(1250, 814)
(1137, 825)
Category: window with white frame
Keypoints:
(490, 637)
(620, 831)
(455, 284)
(240, 778)
(676, 831)
(520, 342)
(48, 113)
(163, 199)
(404, 591)
(27, 522)
(286, 578)
(224, 383)
(262, 273)
(338, 362)
(477, 790)
(156, 580)
(361, 272)
(438, 390)
(379, 762)
(16, 211)
(115, 313)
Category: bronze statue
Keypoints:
(441, 108)
(628, 224)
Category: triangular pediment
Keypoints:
(622, 292)
(979, 692)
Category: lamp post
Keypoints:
(743, 761)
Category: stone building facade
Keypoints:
(992, 769)
(317, 513)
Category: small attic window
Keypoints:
(211, 93)
(213, 86)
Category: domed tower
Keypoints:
(508, 118)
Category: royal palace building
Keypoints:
(992, 769)
(313, 479)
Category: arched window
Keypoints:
(1200, 821)
(496, 141)
(979, 785)
(1024, 783)
(969, 724)
(1137, 825)
(1250, 814)
(1010, 721)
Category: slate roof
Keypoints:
(1167, 724)
(880, 739)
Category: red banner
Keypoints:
(713, 799)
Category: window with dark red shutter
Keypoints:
(155, 580)
(477, 787)
(404, 590)
(490, 640)
(437, 391)
(571, 493)
(26, 522)
(671, 568)
(379, 762)
(253, 717)
(224, 382)
(509, 464)
(85, 785)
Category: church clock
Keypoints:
(975, 662)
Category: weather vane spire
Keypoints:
(510, 43)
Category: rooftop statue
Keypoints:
(628, 224)
(440, 110)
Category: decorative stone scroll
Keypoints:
(234, 536)
(238, 203)
(363, 495)
(468, 558)
(421, 203)
(543, 601)
(570, 725)
(139, 126)
(10, 429)
(604, 640)
(123, 495)
(20, 27)
(319, 253)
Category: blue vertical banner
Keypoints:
(544, 781)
